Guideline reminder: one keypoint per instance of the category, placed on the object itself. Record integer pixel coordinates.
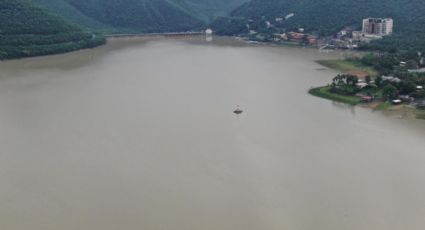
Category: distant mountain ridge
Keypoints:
(141, 15)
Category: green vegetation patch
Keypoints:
(383, 106)
(324, 92)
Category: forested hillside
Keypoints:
(70, 13)
(141, 15)
(26, 30)
(327, 17)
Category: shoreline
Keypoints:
(112, 37)
(108, 38)
(401, 111)
(39, 50)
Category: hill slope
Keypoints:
(328, 16)
(133, 15)
(69, 12)
(141, 15)
(26, 30)
(208, 10)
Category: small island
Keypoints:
(389, 82)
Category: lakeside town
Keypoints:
(379, 80)
(346, 38)
(402, 89)
(382, 81)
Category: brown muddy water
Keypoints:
(140, 134)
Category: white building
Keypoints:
(378, 26)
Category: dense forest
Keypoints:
(142, 15)
(72, 14)
(26, 30)
(327, 17)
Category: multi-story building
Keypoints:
(378, 26)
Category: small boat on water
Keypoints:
(238, 111)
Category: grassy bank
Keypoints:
(324, 92)
(348, 66)
(383, 106)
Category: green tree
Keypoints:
(351, 79)
(407, 87)
(378, 81)
(389, 92)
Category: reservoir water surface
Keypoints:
(140, 134)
